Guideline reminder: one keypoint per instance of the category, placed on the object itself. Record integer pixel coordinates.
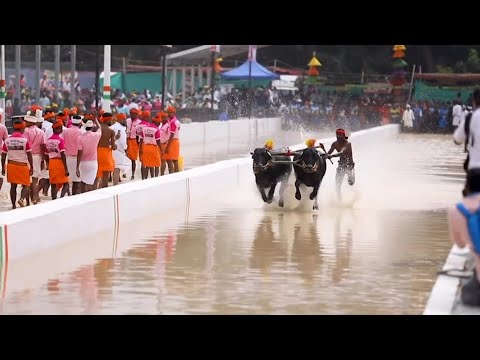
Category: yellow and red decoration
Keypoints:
(398, 76)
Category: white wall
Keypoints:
(35, 229)
(198, 133)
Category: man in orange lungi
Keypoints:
(150, 149)
(17, 148)
(171, 151)
(106, 145)
(132, 139)
(57, 161)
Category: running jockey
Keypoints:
(345, 164)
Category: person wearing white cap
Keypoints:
(36, 138)
(3, 136)
(87, 164)
(408, 118)
(71, 136)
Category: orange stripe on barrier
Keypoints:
(107, 88)
(2, 83)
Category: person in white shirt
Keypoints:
(408, 118)
(473, 138)
(457, 114)
(122, 162)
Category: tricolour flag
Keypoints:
(215, 48)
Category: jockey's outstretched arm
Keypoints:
(332, 148)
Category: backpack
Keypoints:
(473, 224)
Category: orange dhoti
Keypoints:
(173, 150)
(132, 149)
(150, 155)
(57, 172)
(18, 173)
(105, 161)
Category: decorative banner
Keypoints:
(215, 48)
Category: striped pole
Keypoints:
(3, 87)
(106, 78)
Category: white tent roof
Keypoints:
(201, 55)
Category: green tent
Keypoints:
(424, 92)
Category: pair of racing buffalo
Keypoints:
(271, 168)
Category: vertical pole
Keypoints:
(57, 73)
(164, 76)
(106, 78)
(124, 75)
(174, 81)
(97, 78)
(192, 77)
(250, 100)
(411, 84)
(209, 76)
(38, 59)
(213, 83)
(3, 84)
(184, 83)
(275, 65)
(73, 65)
(200, 75)
(18, 54)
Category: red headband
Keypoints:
(340, 132)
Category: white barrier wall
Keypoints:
(198, 133)
(35, 229)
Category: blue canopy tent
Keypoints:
(250, 70)
(245, 72)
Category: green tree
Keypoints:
(473, 61)
(444, 69)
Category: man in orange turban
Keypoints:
(57, 161)
(171, 151)
(150, 149)
(132, 139)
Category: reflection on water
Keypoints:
(377, 254)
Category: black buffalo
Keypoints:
(268, 174)
(310, 168)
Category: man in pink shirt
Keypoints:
(17, 148)
(36, 139)
(132, 139)
(72, 136)
(150, 149)
(57, 161)
(87, 164)
(145, 117)
(171, 151)
(3, 137)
